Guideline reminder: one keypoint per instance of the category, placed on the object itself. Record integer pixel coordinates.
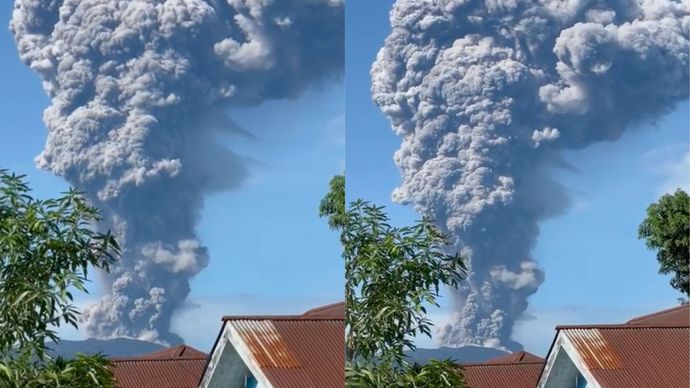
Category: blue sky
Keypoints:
(266, 240)
(270, 253)
(596, 269)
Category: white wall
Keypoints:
(228, 371)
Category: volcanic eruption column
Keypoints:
(137, 89)
(485, 96)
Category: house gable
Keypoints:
(231, 364)
(564, 367)
(649, 351)
(283, 351)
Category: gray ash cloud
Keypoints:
(485, 96)
(137, 92)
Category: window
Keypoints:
(580, 381)
(250, 382)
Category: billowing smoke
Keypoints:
(138, 89)
(487, 94)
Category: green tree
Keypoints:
(333, 204)
(46, 249)
(666, 230)
(391, 275)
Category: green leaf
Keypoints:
(391, 275)
(45, 248)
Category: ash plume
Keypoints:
(137, 92)
(486, 95)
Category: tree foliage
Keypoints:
(333, 204)
(432, 375)
(80, 372)
(391, 275)
(46, 249)
(666, 230)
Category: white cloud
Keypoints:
(545, 135)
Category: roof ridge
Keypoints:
(501, 363)
(125, 359)
(523, 354)
(294, 318)
(180, 350)
(651, 315)
(621, 326)
(322, 308)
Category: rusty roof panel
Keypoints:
(323, 351)
(502, 375)
(595, 351)
(512, 358)
(267, 346)
(633, 356)
(181, 373)
(176, 367)
(301, 352)
(172, 353)
(331, 311)
(676, 316)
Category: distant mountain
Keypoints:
(126, 347)
(462, 355)
(119, 347)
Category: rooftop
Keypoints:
(516, 370)
(305, 351)
(176, 367)
(331, 312)
(647, 351)
(633, 356)
(520, 357)
(676, 316)
(180, 352)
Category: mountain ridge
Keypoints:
(464, 354)
(117, 347)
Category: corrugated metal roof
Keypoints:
(298, 353)
(673, 317)
(676, 316)
(516, 370)
(159, 373)
(267, 346)
(517, 357)
(628, 356)
(595, 351)
(175, 352)
(334, 311)
(178, 367)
